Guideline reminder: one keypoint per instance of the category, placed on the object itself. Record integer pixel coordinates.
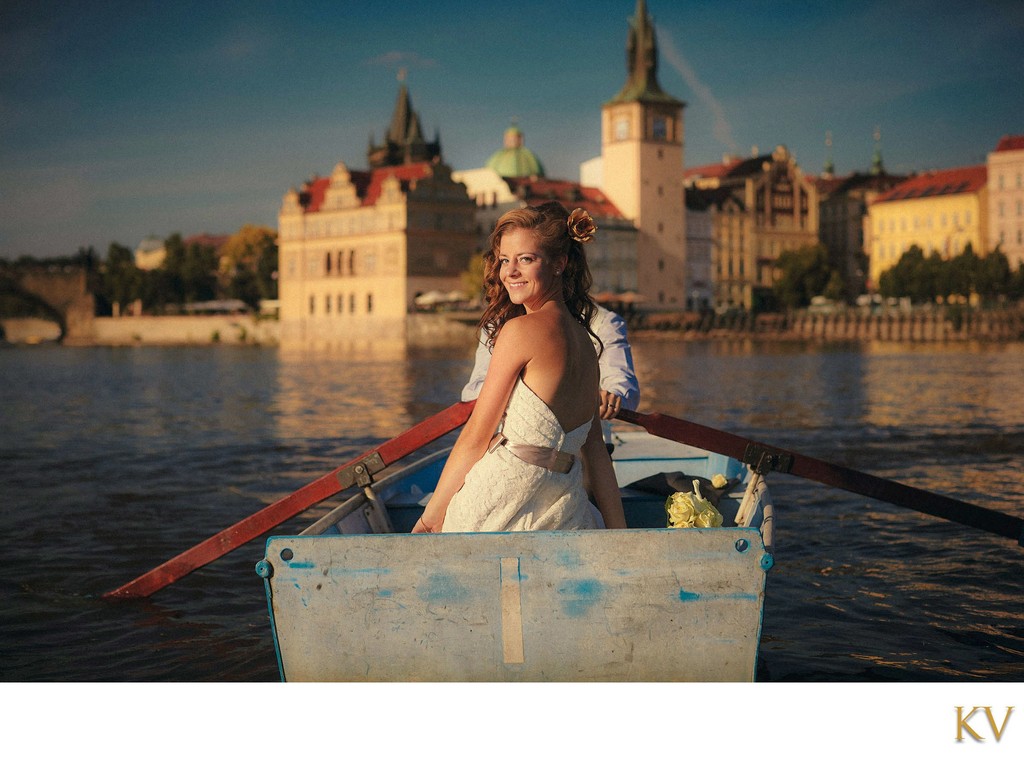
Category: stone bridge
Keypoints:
(58, 292)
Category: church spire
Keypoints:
(830, 167)
(642, 61)
(403, 141)
(876, 159)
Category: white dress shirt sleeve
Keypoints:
(481, 362)
(617, 374)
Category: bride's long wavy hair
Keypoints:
(550, 223)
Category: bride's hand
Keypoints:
(422, 526)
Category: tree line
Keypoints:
(808, 272)
(243, 268)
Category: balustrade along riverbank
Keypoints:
(944, 324)
(951, 323)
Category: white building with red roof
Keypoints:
(1006, 198)
(358, 247)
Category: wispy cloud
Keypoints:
(721, 128)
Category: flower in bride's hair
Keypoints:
(581, 225)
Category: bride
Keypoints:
(532, 453)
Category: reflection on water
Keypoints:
(359, 390)
(114, 460)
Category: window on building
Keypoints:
(341, 304)
(312, 305)
(351, 263)
(352, 303)
(327, 304)
(659, 129)
(369, 303)
(327, 263)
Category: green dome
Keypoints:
(514, 160)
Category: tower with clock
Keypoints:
(642, 167)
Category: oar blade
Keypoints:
(277, 512)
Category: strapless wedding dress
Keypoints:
(503, 493)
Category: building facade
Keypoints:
(941, 211)
(843, 205)
(1005, 169)
(699, 234)
(357, 247)
(760, 207)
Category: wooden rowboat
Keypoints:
(353, 597)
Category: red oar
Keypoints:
(358, 471)
(764, 458)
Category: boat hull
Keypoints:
(607, 605)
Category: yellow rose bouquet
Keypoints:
(691, 509)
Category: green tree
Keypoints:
(122, 279)
(1015, 288)
(248, 264)
(804, 273)
(913, 276)
(191, 271)
(963, 272)
(473, 278)
(993, 280)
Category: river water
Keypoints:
(113, 460)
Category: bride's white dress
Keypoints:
(503, 493)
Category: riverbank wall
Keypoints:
(243, 329)
(926, 325)
(935, 325)
(182, 330)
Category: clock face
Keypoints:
(621, 128)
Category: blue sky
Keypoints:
(120, 120)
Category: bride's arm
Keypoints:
(599, 478)
(511, 353)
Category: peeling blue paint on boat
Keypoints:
(443, 587)
(685, 595)
(580, 596)
(568, 559)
